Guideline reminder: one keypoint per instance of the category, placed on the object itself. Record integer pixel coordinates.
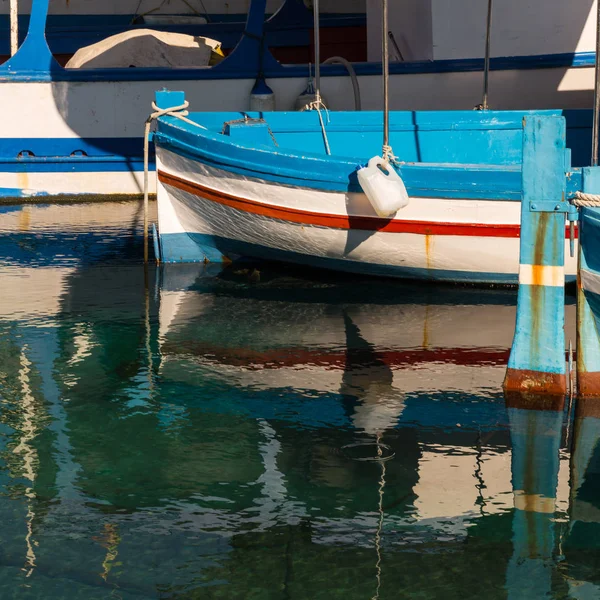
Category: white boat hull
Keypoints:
(205, 213)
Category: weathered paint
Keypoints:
(14, 26)
(537, 361)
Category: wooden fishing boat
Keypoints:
(264, 186)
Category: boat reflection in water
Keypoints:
(200, 436)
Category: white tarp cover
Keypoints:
(147, 48)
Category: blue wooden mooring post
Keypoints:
(537, 359)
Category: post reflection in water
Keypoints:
(536, 435)
(200, 434)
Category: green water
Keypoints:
(184, 432)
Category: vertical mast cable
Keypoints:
(486, 68)
(386, 76)
(596, 95)
(14, 26)
(316, 15)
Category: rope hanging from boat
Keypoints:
(318, 104)
(586, 200)
(486, 67)
(387, 152)
(179, 112)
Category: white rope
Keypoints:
(582, 199)
(179, 112)
(388, 154)
(318, 104)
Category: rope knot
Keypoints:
(388, 154)
(318, 104)
(582, 199)
(173, 111)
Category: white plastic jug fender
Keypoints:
(383, 187)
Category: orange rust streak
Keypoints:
(537, 291)
(588, 386)
(428, 249)
(537, 274)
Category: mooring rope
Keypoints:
(174, 111)
(318, 104)
(388, 155)
(583, 199)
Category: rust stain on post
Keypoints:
(534, 383)
(537, 288)
(588, 386)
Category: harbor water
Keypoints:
(268, 432)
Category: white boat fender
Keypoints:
(262, 97)
(383, 187)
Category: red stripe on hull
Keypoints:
(303, 217)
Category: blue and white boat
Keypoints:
(263, 185)
(78, 131)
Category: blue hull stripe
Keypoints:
(50, 155)
(508, 63)
(443, 152)
(499, 183)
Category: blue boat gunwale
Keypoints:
(290, 167)
(463, 65)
